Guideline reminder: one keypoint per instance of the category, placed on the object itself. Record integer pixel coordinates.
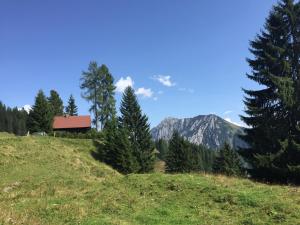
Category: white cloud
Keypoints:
(164, 80)
(228, 112)
(235, 123)
(27, 108)
(145, 92)
(122, 84)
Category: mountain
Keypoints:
(209, 130)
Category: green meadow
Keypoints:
(45, 180)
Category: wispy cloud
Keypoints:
(189, 90)
(164, 80)
(123, 83)
(228, 112)
(144, 92)
(235, 123)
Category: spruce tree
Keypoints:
(71, 109)
(116, 150)
(179, 157)
(228, 162)
(56, 104)
(40, 117)
(138, 127)
(273, 113)
(122, 156)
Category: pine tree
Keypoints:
(56, 104)
(98, 87)
(228, 162)
(40, 117)
(179, 157)
(273, 111)
(138, 127)
(71, 109)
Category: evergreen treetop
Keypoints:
(56, 104)
(71, 109)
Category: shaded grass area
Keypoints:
(44, 180)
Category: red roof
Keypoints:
(63, 122)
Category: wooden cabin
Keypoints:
(75, 124)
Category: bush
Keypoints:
(91, 134)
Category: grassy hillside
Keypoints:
(56, 181)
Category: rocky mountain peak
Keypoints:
(209, 130)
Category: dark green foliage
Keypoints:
(179, 157)
(123, 159)
(108, 109)
(13, 120)
(228, 162)
(71, 109)
(273, 111)
(91, 134)
(138, 127)
(183, 156)
(40, 117)
(56, 104)
(162, 147)
(99, 89)
(115, 149)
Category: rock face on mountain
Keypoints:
(209, 130)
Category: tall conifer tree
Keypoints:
(40, 117)
(108, 108)
(56, 104)
(98, 87)
(273, 111)
(138, 127)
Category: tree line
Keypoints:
(181, 156)
(39, 118)
(13, 120)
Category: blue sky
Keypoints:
(184, 58)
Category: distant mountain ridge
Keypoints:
(209, 130)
